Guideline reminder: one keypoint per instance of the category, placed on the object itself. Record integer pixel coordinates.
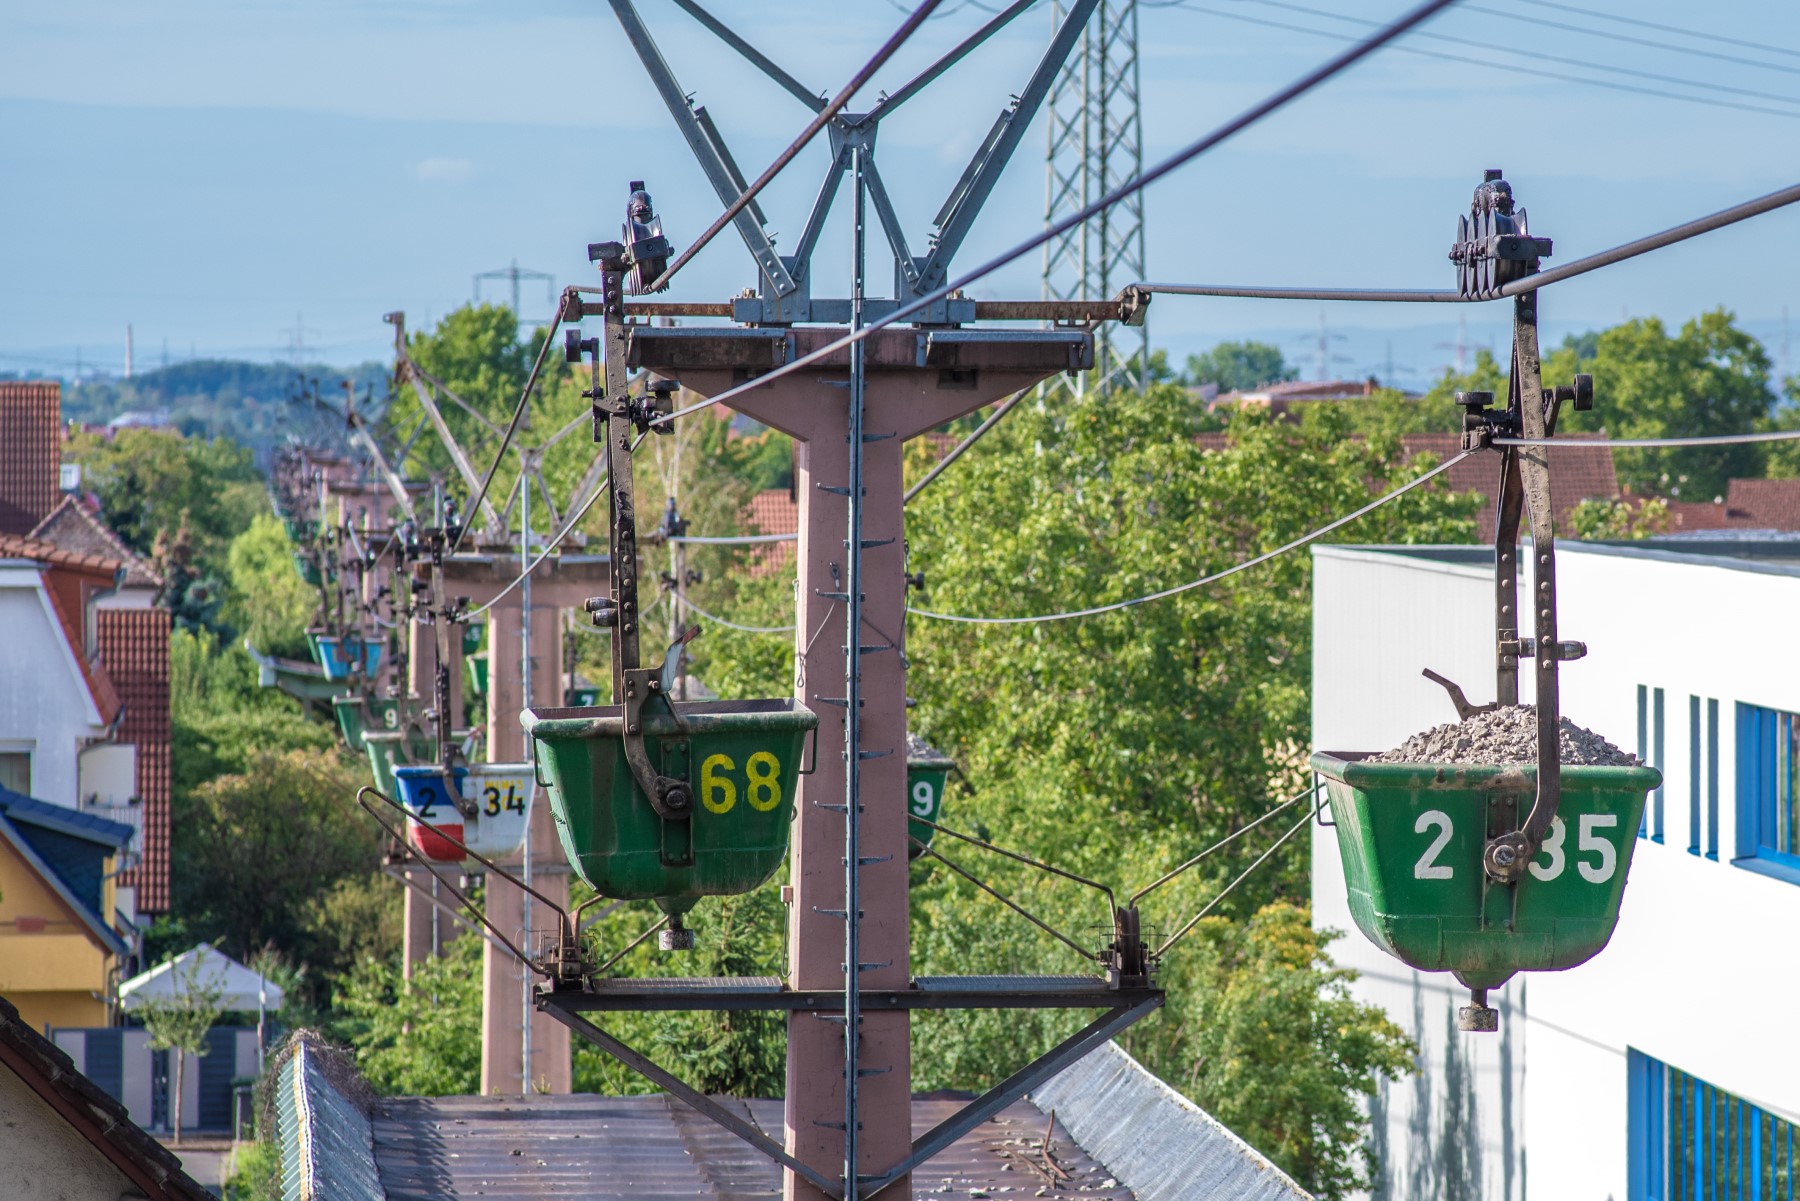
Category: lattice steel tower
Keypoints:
(1096, 144)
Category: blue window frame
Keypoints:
(1650, 729)
(1696, 763)
(1768, 787)
(1691, 1141)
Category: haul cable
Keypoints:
(1531, 283)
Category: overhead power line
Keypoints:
(1637, 41)
(1643, 24)
(1586, 64)
(1188, 153)
(1216, 576)
(1483, 62)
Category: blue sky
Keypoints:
(219, 174)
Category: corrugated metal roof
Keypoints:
(1166, 1146)
(321, 1129)
(646, 1148)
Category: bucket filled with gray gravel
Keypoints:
(1502, 736)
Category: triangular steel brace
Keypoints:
(840, 914)
(871, 543)
(867, 860)
(869, 967)
(873, 1072)
(833, 489)
(873, 754)
(876, 437)
(833, 808)
(874, 648)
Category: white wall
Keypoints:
(45, 707)
(1703, 955)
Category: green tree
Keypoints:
(1709, 378)
(267, 600)
(418, 1039)
(1595, 520)
(1784, 457)
(1488, 375)
(1234, 366)
(150, 481)
(277, 855)
(1281, 1052)
(180, 1020)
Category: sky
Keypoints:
(256, 180)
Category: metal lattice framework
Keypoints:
(1096, 143)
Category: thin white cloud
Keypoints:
(443, 170)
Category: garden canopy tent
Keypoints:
(240, 989)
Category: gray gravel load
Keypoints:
(1507, 735)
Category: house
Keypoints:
(60, 948)
(66, 1139)
(91, 731)
(1662, 1067)
(1747, 505)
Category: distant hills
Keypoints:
(257, 404)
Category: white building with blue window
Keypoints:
(1668, 1066)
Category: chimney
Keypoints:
(30, 453)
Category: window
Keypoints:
(1703, 778)
(1650, 726)
(15, 771)
(1769, 790)
(1690, 1141)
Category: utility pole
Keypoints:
(513, 274)
(1096, 144)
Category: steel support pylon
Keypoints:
(1096, 143)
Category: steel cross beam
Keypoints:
(786, 294)
(720, 172)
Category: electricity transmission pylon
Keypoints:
(1096, 144)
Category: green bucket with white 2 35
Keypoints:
(1411, 837)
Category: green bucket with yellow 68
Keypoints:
(742, 759)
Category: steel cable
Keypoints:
(1241, 877)
(1188, 153)
(1216, 576)
(1531, 283)
(1630, 443)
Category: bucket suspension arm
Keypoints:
(615, 416)
(1499, 249)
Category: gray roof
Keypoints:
(646, 1148)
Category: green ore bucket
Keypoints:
(388, 749)
(358, 716)
(927, 770)
(1411, 836)
(742, 759)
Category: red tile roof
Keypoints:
(72, 526)
(772, 511)
(1748, 505)
(134, 646)
(30, 453)
(19, 546)
(1575, 475)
